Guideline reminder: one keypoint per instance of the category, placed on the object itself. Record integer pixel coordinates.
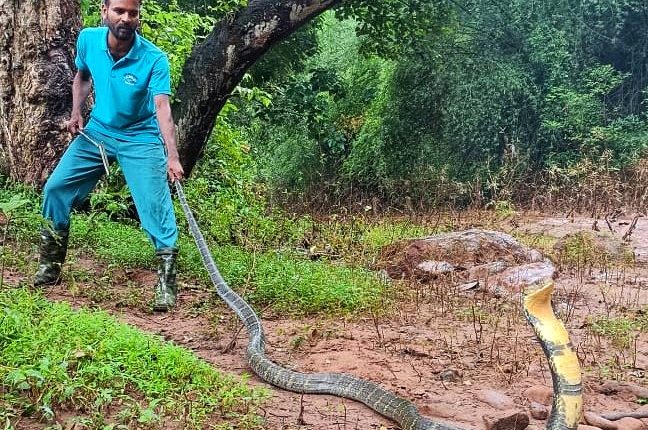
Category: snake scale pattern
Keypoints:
(565, 370)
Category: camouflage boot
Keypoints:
(166, 287)
(53, 248)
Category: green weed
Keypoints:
(542, 242)
(291, 284)
(285, 280)
(621, 330)
(383, 233)
(114, 243)
(585, 249)
(56, 357)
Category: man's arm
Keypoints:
(167, 128)
(80, 91)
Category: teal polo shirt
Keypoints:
(124, 89)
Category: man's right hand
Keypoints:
(75, 123)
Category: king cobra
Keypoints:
(563, 362)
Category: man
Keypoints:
(132, 87)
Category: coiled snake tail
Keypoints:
(565, 370)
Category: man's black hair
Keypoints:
(107, 2)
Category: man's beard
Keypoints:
(122, 32)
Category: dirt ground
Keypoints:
(460, 356)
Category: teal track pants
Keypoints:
(145, 169)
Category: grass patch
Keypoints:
(539, 241)
(54, 357)
(289, 283)
(284, 280)
(383, 233)
(584, 249)
(622, 329)
(124, 244)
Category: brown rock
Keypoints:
(586, 427)
(516, 278)
(630, 424)
(539, 394)
(510, 420)
(643, 408)
(538, 411)
(450, 375)
(495, 399)
(431, 256)
(595, 420)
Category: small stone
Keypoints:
(468, 286)
(495, 399)
(435, 267)
(511, 420)
(450, 375)
(539, 394)
(630, 424)
(538, 411)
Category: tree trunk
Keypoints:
(217, 65)
(37, 40)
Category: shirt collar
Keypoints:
(133, 53)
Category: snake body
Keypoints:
(567, 403)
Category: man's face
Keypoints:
(121, 17)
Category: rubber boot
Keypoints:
(53, 249)
(166, 288)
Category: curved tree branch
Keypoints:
(218, 64)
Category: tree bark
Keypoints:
(37, 39)
(218, 64)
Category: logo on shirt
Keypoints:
(130, 79)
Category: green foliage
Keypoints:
(585, 249)
(622, 330)
(384, 233)
(287, 58)
(223, 194)
(175, 32)
(418, 101)
(112, 242)
(574, 119)
(293, 285)
(324, 103)
(54, 356)
(284, 280)
(475, 103)
(171, 28)
(216, 8)
(21, 206)
(12, 205)
(392, 27)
